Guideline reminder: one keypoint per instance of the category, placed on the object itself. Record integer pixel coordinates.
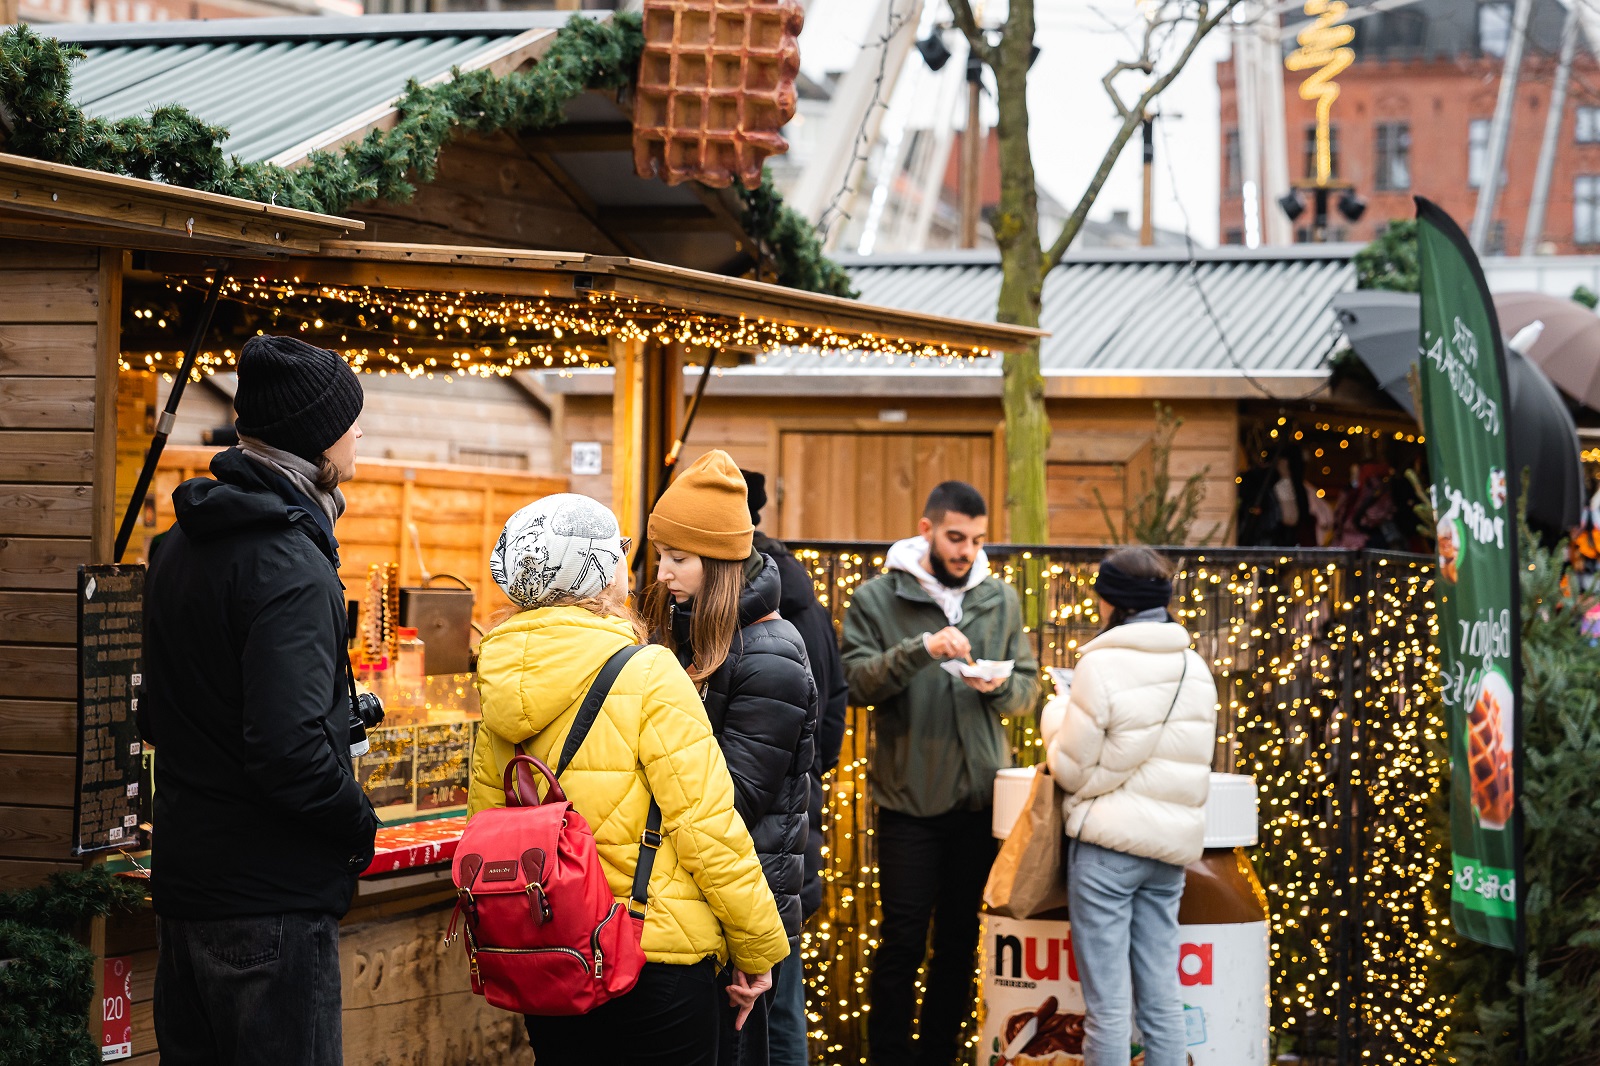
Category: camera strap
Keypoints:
(350, 681)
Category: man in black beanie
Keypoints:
(260, 826)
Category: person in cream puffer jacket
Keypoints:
(1137, 777)
(563, 560)
(1133, 753)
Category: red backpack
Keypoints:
(544, 936)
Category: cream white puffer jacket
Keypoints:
(1134, 784)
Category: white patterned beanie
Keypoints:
(559, 549)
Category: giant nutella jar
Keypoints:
(1223, 956)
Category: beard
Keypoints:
(941, 573)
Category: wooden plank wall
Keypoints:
(871, 486)
(1099, 443)
(490, 192)
(51, 302)
(458, 513)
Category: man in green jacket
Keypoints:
(938, 743)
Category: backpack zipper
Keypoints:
(594, 940)
(540, 951)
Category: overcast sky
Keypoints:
(1072, 121)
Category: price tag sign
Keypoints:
(116, 1041)
(586, 458)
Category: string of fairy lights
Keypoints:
(427, 333)
(1326, 696)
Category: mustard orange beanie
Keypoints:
(705, 511)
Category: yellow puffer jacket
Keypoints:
(707, 892)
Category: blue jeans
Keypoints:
(1125, 936)
(257, 991)
(787, 1039)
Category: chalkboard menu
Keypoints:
(110, 638)
(385, 770)
(443, 753)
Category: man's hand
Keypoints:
(744, 991)
(978, 684)
(948, 643)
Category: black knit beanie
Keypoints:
(756, 490)
(295, 396)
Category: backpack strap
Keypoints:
(649, 842)
(650, 839)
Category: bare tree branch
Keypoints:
(967, 23)
(1132, 116)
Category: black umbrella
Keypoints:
(1382, 328)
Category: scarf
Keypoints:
(298, 472)
(907, 555)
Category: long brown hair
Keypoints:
(716, 616)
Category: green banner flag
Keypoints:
(1464, 415)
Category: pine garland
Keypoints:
(48, 976)
(791, 241)
(170, 144)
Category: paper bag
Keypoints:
(1029, 875)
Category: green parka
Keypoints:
(938, 742)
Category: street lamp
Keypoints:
(933, 50)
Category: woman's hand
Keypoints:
(744, 992)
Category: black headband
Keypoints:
(1121, 589)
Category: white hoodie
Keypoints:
(908, 554)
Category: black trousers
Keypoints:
(752, 1045)
(930, 870)
(669, 1018)
(258, 991)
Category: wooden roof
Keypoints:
(50, 201)
(556, 274)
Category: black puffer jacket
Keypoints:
(799, 605)
(257, 810)
(762, 704)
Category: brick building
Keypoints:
(1413, 118)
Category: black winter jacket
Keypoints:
(762, 704)
(257, 809)
(799, 605)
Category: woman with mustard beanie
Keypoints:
(715, 605)
(562, 561)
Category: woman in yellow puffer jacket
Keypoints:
(563, 562)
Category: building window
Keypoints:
(1477, 151)
(1586, 209)
(1405, 31)
(1232, 167)
(1588, 131)
(1233, 236)
(1311, 152)
(1394, 156)
(1494, 27)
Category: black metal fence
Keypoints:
(1324, 667)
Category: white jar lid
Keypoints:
(1011, 788)
(1232, 820)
